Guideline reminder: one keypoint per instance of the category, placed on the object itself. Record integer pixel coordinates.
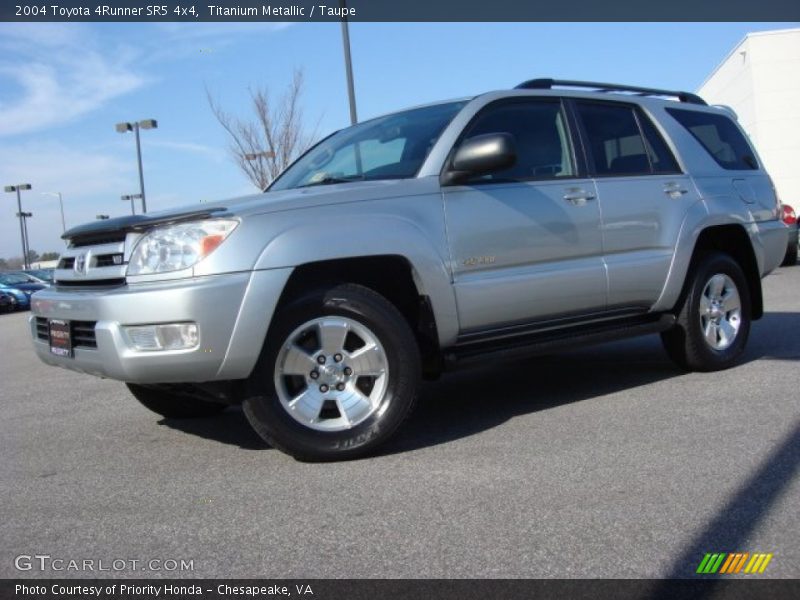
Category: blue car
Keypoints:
(22, 299)
(8, 301)
(21, 287)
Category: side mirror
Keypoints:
(480, 155)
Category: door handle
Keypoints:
(578, 196)
(675, 190)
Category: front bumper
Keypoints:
(232, 311)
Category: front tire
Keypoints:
(173, 406)
(713, 322)
(338, 375)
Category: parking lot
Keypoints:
(605, 462)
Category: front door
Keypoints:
(525, 242)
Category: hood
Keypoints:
(265, 202)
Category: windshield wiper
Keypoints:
(330, 180)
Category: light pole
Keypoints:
(25, 216)
(126, 127)
(348, 64)
(61, 204)
(131, 198)
(23, 237)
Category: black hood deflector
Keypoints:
(110, 227)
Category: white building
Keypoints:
(760, 80)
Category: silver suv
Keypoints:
(556, 214)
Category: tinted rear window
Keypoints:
(719, 136)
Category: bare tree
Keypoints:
(265, 146)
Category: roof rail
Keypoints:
(546, 84)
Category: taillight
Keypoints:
(789, 217)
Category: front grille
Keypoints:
(102, 260)
(81, 332)
(99, 283)
(41, 329)
(100, 265)
(108, 260)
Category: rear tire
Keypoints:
(174, 406)
(337, 376)
(791, 256)
(713, 321)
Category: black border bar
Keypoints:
(398, 10)
(405, 589)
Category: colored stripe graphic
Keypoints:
(711, 563)
(733, 562)
(702, 566)
(758, 563)
(730, 562)
(741, 562)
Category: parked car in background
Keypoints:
(22, 299)
(23, 284)
(44, 275)
(790, 218)
(8, 301)
(27, 277)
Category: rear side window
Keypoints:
(661, 158)
(720, 138)
(622, 141)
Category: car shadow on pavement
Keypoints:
(467, 402)
(229, 427)
(775, 336)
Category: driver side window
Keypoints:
(540, 135)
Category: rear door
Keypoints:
(643, 197)
(525, 242)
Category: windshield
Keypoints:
(389, 147)
(13, 279)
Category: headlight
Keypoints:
(177, 247)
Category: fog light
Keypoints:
(170, 336)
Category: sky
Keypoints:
(64, 86)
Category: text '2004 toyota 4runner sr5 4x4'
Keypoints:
(558, 213)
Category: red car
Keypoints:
(790, 218)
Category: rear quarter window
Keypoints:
(719, 136)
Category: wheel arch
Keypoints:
(732, 239)
(391, 275)
(392, 240)
(729, 238)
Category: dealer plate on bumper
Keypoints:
(60, 337)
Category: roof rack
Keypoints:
(546, 84)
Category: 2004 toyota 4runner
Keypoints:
(555, 214)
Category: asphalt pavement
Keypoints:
(603, 462)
